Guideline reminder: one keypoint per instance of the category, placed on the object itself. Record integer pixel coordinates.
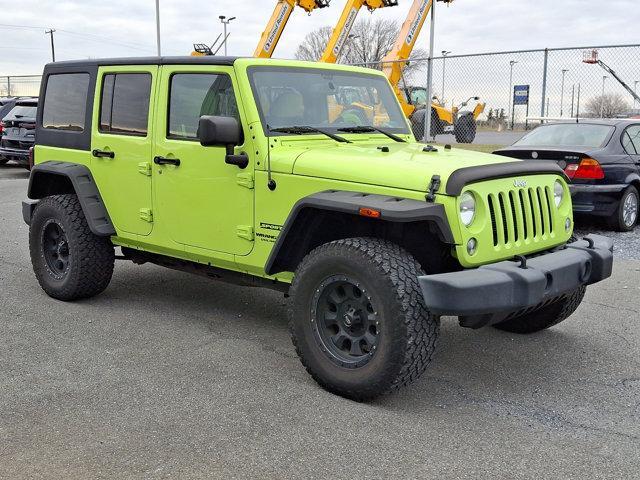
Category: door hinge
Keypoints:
(146, 214)
(245, 180)
(145, 168)
(245, 231)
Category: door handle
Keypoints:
(103, 153)
(166, 161)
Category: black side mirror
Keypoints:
(219, 131)
(222, 132)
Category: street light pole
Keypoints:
(604, 81)
(564, 72)
(225, 21)
(53, 48)
(158, 28)
(444, 60)
(511, 106)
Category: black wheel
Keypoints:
(3, 161)
(69, 261)
(358, 319)
(545, 317)
(626, 215)
(465, 129)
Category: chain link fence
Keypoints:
(551, 84)
(20, 85)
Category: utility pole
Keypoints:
(604, 81)
(427, 112)
(511, 106)
(225, 21)
(444, 60)
(158, 27)
(564, 72)
(53, 47)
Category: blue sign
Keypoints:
(521, 95)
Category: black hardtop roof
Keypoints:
(182, 60)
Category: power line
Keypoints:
(132, 45)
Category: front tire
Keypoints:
(545, 317)
(626, 215)
(358, 320)
(69, 261)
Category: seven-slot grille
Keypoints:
(521, 214)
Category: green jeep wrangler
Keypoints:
(305, 178)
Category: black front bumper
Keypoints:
(17, 155)
(490, 293)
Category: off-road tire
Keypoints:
(617, 220)
(545, 317)
(465, 129)
(407, 332)
(90, 257)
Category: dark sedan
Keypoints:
(600, 157)
(18, 132)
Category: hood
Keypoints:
(403, 166)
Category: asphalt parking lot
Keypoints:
(166, 375)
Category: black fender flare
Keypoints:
(79, 181)
(392, 209)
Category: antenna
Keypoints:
(271, 183)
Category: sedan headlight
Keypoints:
(467, 208)
(558, 193)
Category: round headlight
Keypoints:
(558, 193)
(467, 208)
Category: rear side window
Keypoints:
(65, 102)
(124, 106)
(193, 95)
(631, 140)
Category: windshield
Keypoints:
(567, 135)
(325, 99)
(22, 111)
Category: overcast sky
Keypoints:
(127, 28)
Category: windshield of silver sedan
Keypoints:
(330, 100)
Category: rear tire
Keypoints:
(358, 320)
(545, 317)
(69, 261)
(625, 217)
(465, 129)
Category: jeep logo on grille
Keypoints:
(519, 183)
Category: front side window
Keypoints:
(631, 140)
(125, 103)
(193, 95)
(325, 99)
(65, 102)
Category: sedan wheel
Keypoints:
(626, 216)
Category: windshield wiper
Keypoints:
(306, 129)
(370, 129)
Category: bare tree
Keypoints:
(370, 40)
(610, 105)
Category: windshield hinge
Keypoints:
(434, 186)
(245, 231)
(245, 180)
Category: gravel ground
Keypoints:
(167, 375)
